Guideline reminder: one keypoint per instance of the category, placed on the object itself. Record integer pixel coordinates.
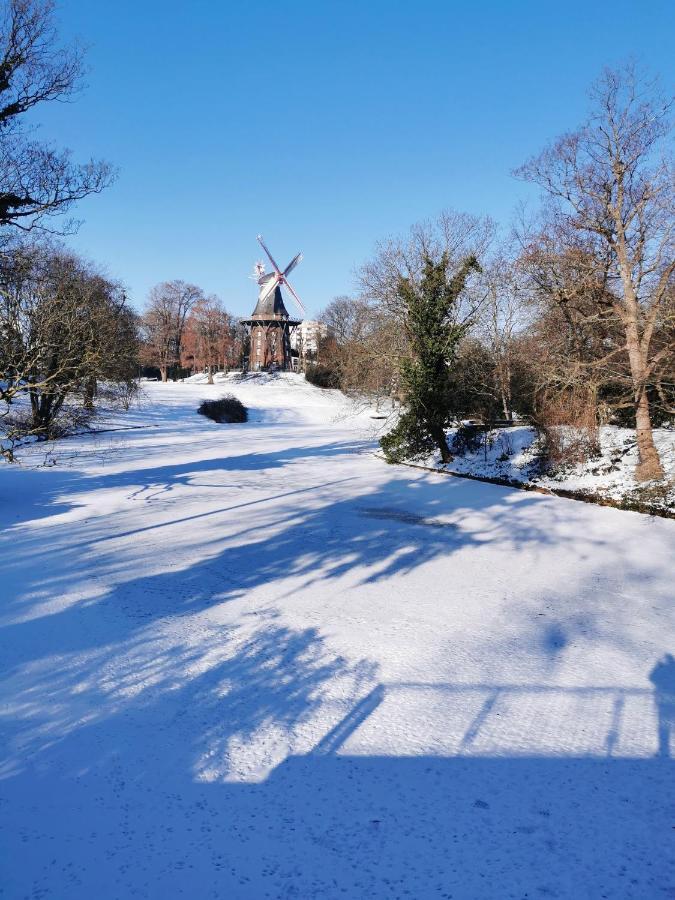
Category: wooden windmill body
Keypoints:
(270, 325)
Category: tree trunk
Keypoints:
(163, 373)
(505, 392)
(508, 397)
(90, 393)
(41, 420)
(210, 378)
(649, 466)
(438, 435)
(34, 403)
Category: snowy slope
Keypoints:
(254, 661)
(511, 453)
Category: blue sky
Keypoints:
(325, 126)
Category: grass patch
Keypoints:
(226, 409)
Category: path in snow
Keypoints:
(254, 661)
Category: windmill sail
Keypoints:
(295, 297)
(292, 264)
(268, 287)
(269, 255)
(279, 278)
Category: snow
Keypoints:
(512, 453)
(254, 661)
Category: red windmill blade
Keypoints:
(279, 276)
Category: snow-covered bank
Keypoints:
(512, 454)
(253, 661)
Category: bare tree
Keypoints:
(113, 343)
(37, 180)
(362, 347)
(609, 183)
(65, 327)
(346, 318)
(663, 376)
(580, 341)
(209, 335)
(164, 322)
(368, 338)
(452, 235)
(502, 318)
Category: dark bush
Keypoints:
(406, 441)
(225, 409)
(322, 376)
(467, 439)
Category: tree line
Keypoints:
(184, 331)
(569, 319)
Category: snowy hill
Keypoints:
(511, 453)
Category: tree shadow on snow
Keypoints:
(174, 475)
(32, 494)
(283, 540)
(154, 747)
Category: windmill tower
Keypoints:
(270, 325)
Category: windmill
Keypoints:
(278, 277)
(270, 325)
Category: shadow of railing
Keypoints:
(412, 718)
(428, 790)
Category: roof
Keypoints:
(271, 307)
(273, 304)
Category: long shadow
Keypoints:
(389, 531)
(154, 746)
(31, 494)
(175, 474)
(662, 677)
(34, 492)
(184, 520)
(233, 784)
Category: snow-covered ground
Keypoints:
(254, 661)
(512, 453)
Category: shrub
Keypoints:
(225, 409)
(17, 427)
(406, 441)
(322, 376)
(467, 439)
(568, 426)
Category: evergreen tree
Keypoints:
(433, 336)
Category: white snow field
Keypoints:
(254, 661)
